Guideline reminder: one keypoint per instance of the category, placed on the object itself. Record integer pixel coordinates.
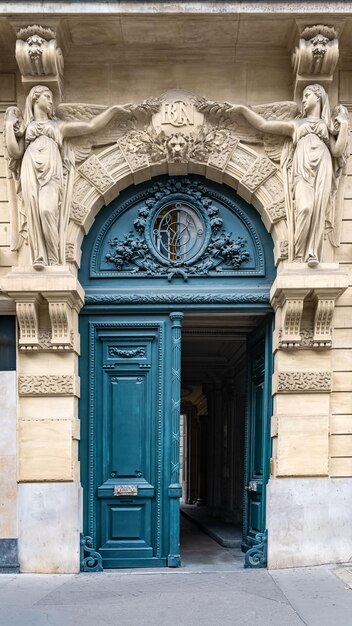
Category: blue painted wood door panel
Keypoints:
(257, 432)
(127, 420)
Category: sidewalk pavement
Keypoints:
(316, 596)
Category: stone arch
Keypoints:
(101, 178)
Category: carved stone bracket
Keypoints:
(28, 320)
(39, 58)
(289, 301)
(292, 310)
(61, 306)
(59, 290)
(315, 57)
(324, 310)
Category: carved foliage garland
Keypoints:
(178, 230)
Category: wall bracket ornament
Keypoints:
(316, 56)
(290, 302)
(292, 310)
(323, 316)
(27, 310)
(39, 58)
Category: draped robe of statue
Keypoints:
(312, 177)
(43, 164)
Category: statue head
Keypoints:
(322, 97)
(43, 97)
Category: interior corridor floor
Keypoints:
(201, 553)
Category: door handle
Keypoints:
(252, 485)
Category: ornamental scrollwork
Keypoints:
(256, 556)
(91, 560)
(178, 230)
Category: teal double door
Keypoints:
(130, 412)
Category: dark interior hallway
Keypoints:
(213, 398)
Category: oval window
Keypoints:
(178, 232)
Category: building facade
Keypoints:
(175, 268)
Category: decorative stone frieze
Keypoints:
(316, 56)
(113, 159)
(135, 156)
(303, 380)
(256, 175)
(306, 339)
(277, 211)
(281, 250)
(45, 343)
(96, 174)
(39, 58)
(64, 385)
(79, 213)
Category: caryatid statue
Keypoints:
(313, 158)
(41, 160)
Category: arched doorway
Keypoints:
(173, 251)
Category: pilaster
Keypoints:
(304, 301)
(47, 306)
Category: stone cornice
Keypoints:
(170, 7)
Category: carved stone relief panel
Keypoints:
(64, 385)
(96, 174)
(302, 381)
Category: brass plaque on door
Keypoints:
(125, 490)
